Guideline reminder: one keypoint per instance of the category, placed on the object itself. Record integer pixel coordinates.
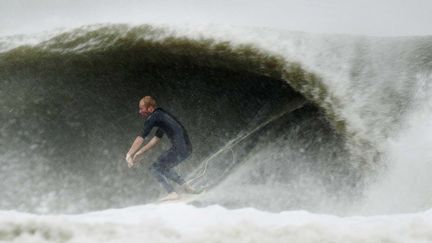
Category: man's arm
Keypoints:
(155, 140)
(135, 146)
(148, 125)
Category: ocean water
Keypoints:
(298, 137)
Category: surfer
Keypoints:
(181, 148)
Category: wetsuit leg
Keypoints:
(162, 169)
(156, 171)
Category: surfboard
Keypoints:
(184, 198)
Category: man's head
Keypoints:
(146, 106)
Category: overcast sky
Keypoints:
(368, 17)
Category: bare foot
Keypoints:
(170, 196)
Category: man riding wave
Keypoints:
(181, 147)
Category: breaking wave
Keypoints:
(282, 120)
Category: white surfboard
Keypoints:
(184, 198)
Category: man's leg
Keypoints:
(171, 174)
(162, 169)
(157, 172)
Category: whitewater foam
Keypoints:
(184, 223)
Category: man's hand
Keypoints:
(129, 160)
(134, 157)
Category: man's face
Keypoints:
(144, 111)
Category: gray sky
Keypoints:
(369, 17)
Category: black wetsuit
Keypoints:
(180, 150)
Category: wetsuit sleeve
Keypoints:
(159, 133)
(148, 125)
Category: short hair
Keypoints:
(148, 101)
